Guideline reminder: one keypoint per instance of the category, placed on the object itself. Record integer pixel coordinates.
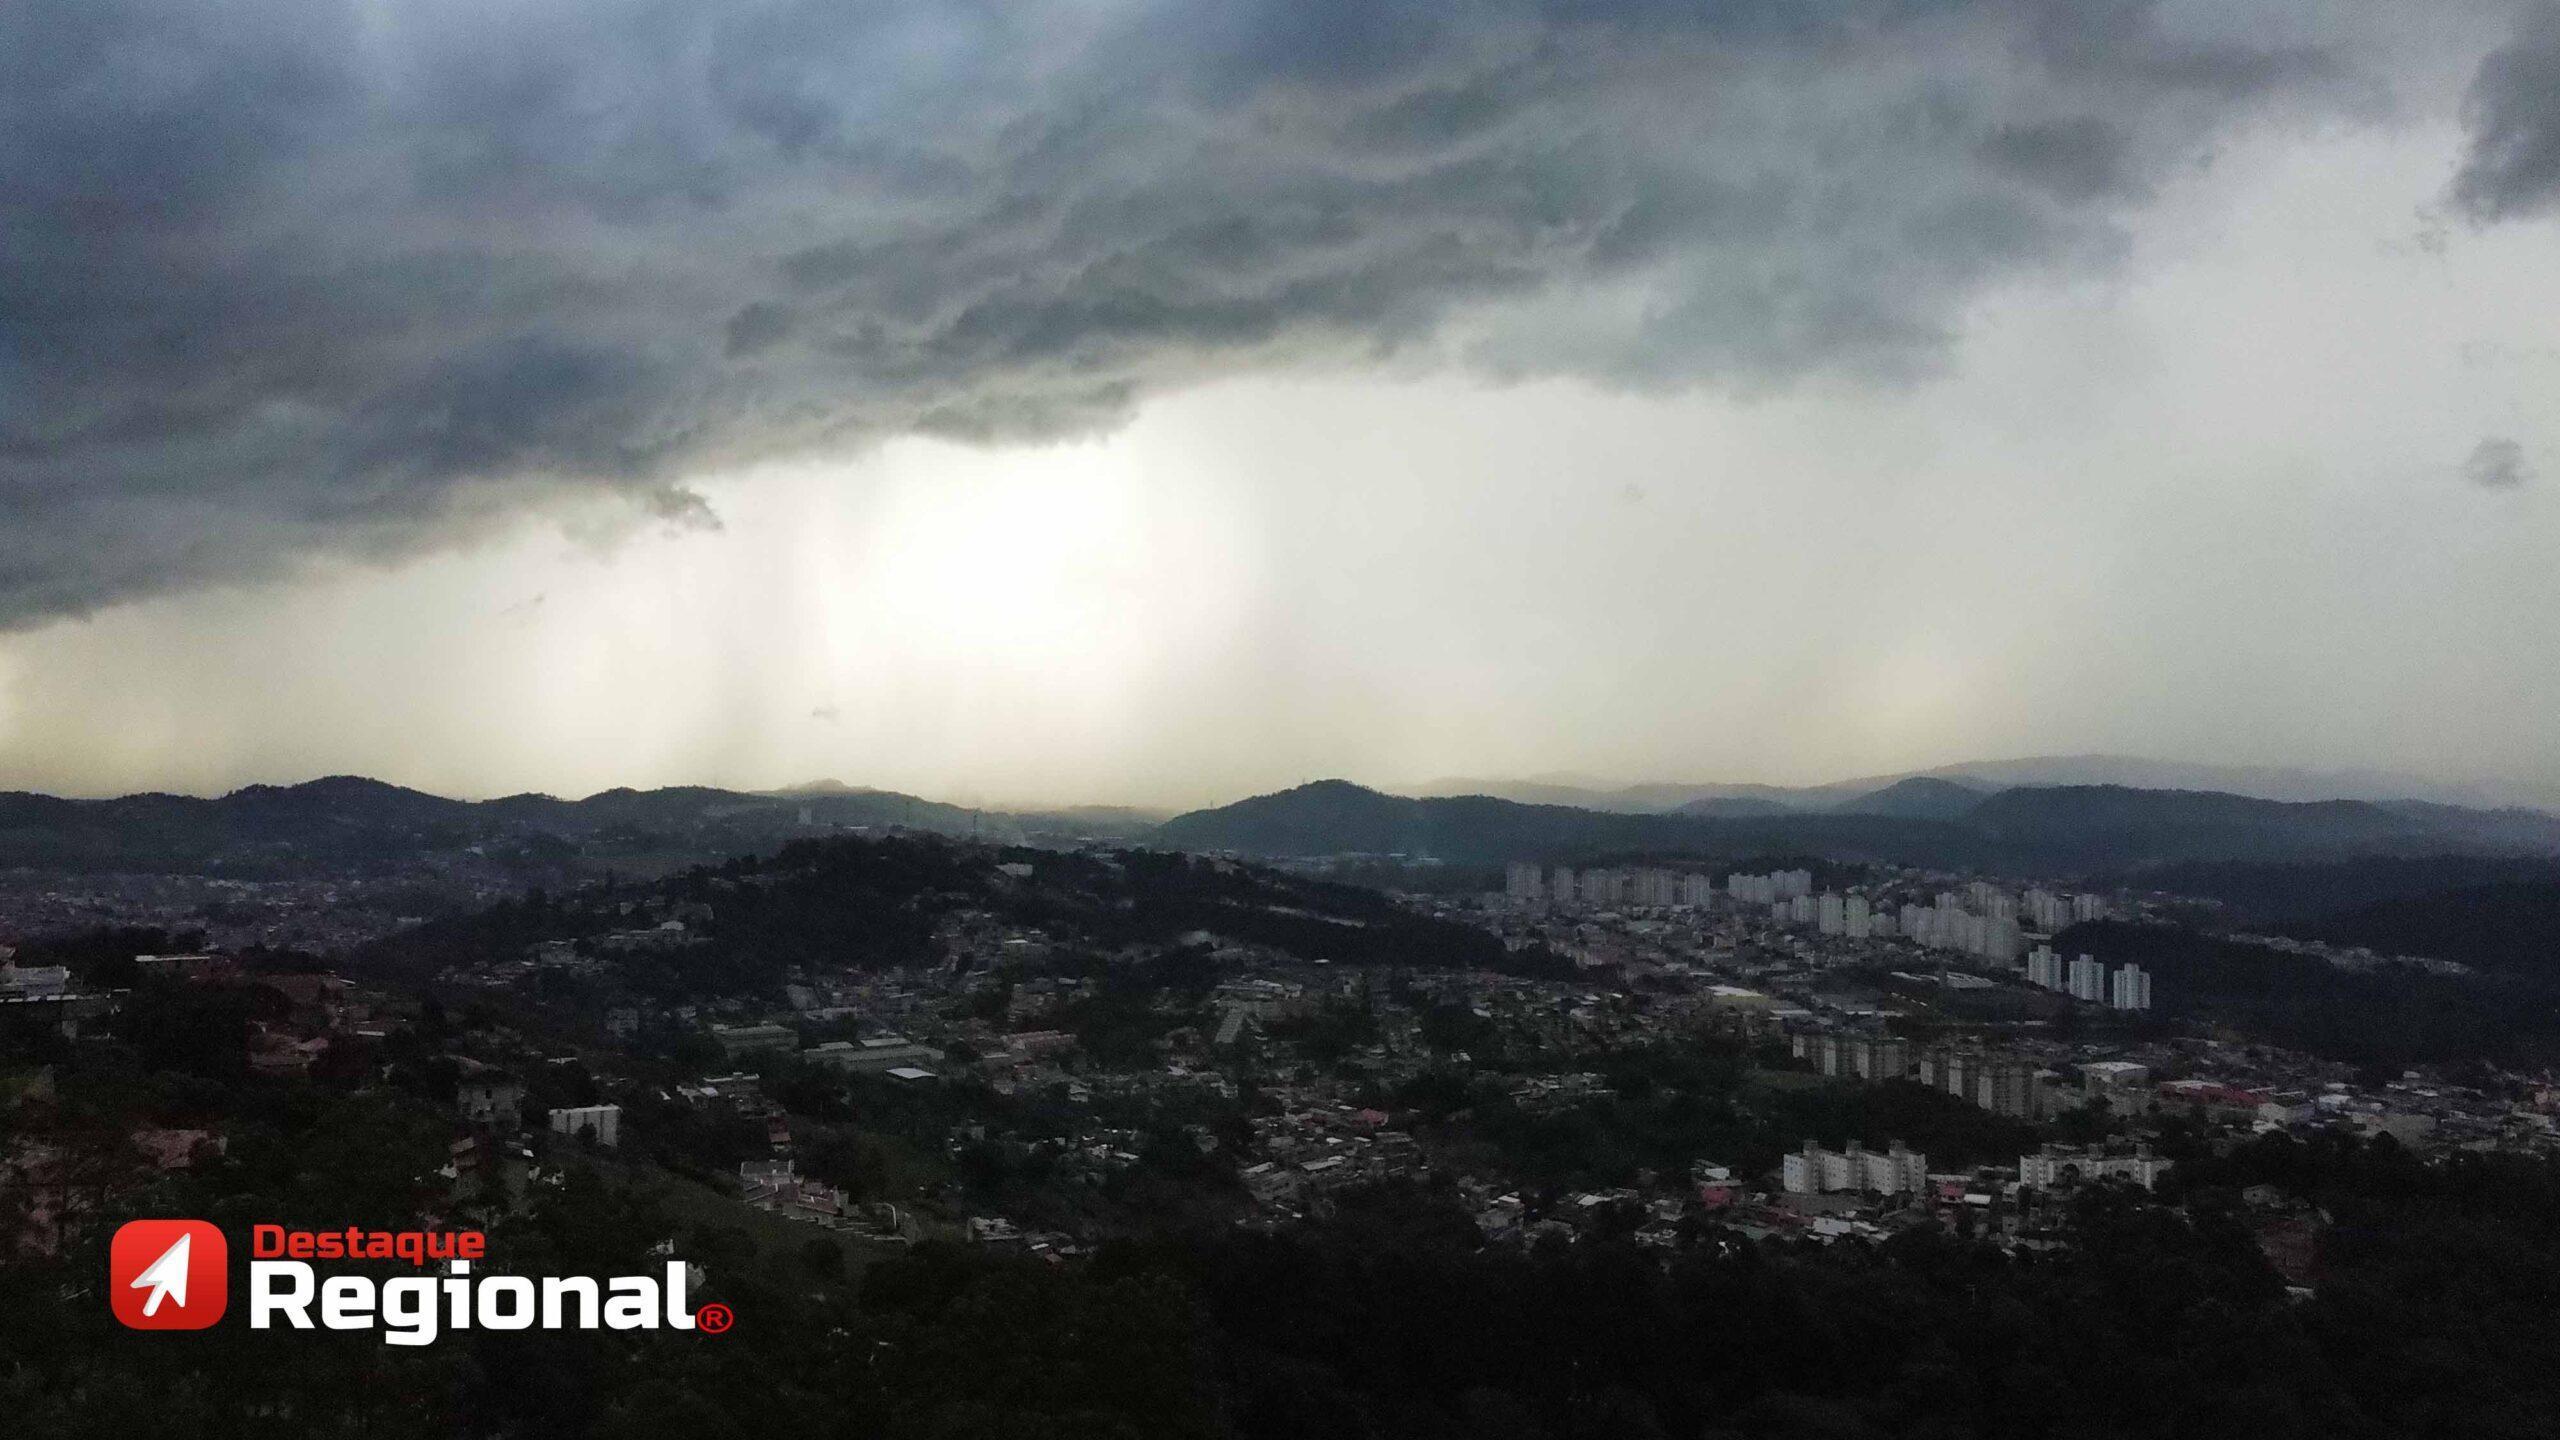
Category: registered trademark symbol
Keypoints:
(715, 1319)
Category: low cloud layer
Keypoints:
(302, 277)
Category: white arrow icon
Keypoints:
(167, 1276)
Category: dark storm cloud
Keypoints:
(2081, 158)
(308, 276)
(2497, 463)
(680, 508)
(2513, 114)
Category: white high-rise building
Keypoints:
(1830, 916)
(1857, 920)
(2044, 968)
(1776, 885)
(1525, 882)
(2001, 940)
(2047, 911)
(602, 1123)
(1814, 1170)
(2088, 907)
(2088, 981)
(2130, 989)
(2057, 1165)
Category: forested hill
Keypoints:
(2504, 927)
(1921, 797)
(877, 903)
(2278, 895)
(2049, 830)
(347, 823)
(2490, 912)
(2385, 1015)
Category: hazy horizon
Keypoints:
(2286, 783)
(1119, 404)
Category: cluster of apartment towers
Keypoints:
(2002, 1083)
(2086, 979)
(1984, 921)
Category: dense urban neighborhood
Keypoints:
(808, 1073)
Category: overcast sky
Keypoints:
(1161, 402)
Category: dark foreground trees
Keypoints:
(2434, 1314)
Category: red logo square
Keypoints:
(168, 1274)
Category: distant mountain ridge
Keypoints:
(1338, 817)
(339, 824)
(2265, 782)
(343, 822)
(1922, 796)
(2038, 830)
(1651, 798)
